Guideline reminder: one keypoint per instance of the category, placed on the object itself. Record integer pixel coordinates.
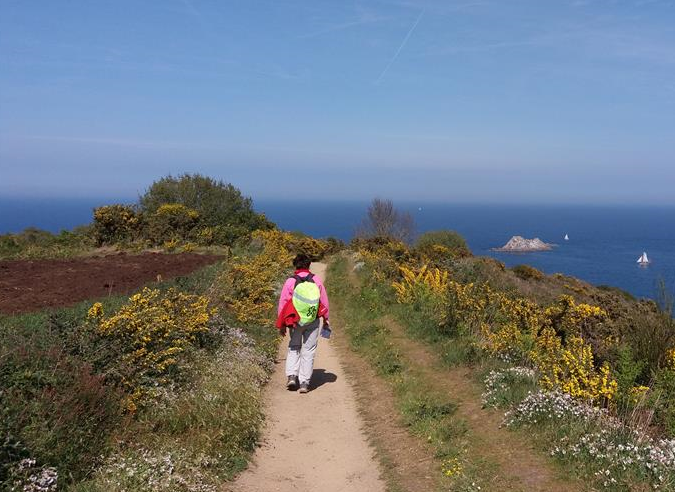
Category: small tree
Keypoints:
(384, 220)
(220, 205)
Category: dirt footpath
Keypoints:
(313, 441)
(30, 285)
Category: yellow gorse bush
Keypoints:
(420, 284)
(670, 358)
(638, 393)
(114, 223)
(171, 224)
(512, 325)
(571, 367)
(248, 286)
(573, 319)
(152, 330)
(515, 327)
(314, 248)
(176, 210)
(384, 257)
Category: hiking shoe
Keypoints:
(292, 383)
(304, 388)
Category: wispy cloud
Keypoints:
(363, 19)
(400, 48)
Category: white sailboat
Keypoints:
(567, 238)
(643, 260)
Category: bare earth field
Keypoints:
(30, 285)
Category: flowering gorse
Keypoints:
(421, 284)
(515, 329)
(151, 331)
(571, 368)
(224, 401)
(248, 287)
(114, 223)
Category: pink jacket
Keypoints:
(287, 292)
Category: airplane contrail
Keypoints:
(405, 40)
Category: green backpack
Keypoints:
(306, 298)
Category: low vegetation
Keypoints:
(538, 337)
(161, 391)
(177, 214)
(184, 211)
(36, 243)
(441, 245)
(430, 414)
(157, 391)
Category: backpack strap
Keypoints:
(299, 279)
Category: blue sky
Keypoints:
(469, 101)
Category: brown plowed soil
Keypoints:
(30, 285)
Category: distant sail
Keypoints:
(567, 238)
(643, 260)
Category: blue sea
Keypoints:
(603, 248)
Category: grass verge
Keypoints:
(429, 414)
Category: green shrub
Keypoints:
(616, 290)
(219, 204)
(627, 372)
(116, 223)
(334, 245)
(171, 222)
(650, 333)
(58, 401)
(526, 272)
(451, 244)
(663, 399)
(55, 408)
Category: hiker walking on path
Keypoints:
(302, 304)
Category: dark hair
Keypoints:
(302, 261)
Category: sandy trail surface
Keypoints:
(312, 441)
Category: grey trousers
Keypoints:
(301, 351)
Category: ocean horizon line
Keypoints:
(405, 202)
